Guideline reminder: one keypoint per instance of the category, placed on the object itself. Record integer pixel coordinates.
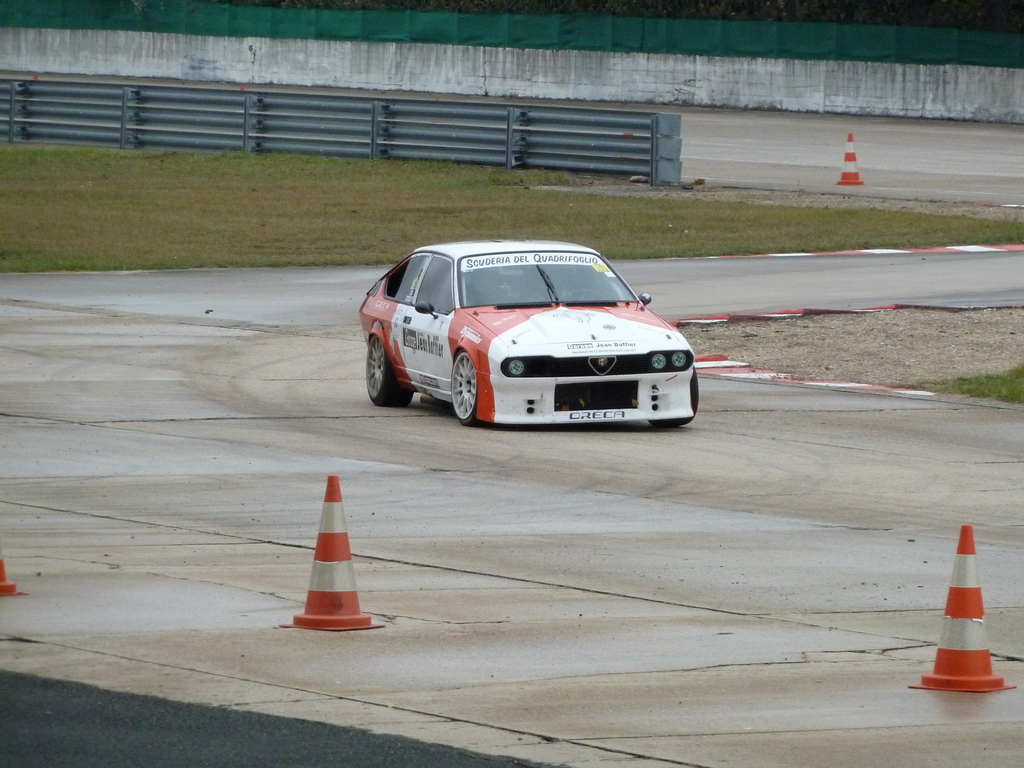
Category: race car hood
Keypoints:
(569, 331)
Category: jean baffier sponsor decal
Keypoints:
(422, 342)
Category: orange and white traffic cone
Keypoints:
(850, 176)
(963, 661)
(7, 588)
(332, 602)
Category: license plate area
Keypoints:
(595, 395)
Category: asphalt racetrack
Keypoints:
(50, 723)
(758, 589)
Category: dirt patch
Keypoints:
(896, 348)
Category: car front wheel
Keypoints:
(381, 383)
(464, 389)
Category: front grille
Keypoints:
(623, 365)
(572, 367)
(595, 395)
(544, 366)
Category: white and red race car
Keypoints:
(524, 332)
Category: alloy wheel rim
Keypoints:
(464, 387)
(375, 366)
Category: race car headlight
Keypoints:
(527, 367)
(670, 360)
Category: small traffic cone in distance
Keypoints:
(332, 602)
(850, 176)
(7, 588)
(963, 661)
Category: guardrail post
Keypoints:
(124, 117)
(375, 126)
(510, 125)
(246, 113)
(10, 114)
(666, 149)
(17, 88)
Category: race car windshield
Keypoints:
(540, 280)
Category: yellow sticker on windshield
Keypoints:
(600, 266)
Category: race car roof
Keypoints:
(487, 247)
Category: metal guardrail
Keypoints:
(146, 116)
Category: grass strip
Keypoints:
(73, 208)
(1008, 387)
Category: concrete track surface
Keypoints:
(758, 589)
(750, 590)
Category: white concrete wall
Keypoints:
(903, 90)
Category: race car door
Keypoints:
(425, 334)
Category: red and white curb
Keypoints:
(884, 251)
(720, 365)
(785, 314)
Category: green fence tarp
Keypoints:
(800, 40)
(990, 49)
(598, 33)
(864, 42)
(432, 27)
(786, 40)
(331, 25)
(522, 30)
(697, 37)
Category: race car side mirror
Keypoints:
(425, 308)
(645, 298)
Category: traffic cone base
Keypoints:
(332, 603)
(968, 671)
(331, 624)
(328, 623)
(333, 611)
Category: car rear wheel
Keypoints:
(694, 400)
(464, 389)
(381, 383)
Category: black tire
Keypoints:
(694, 401)
(465, 395)
(381, 383)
